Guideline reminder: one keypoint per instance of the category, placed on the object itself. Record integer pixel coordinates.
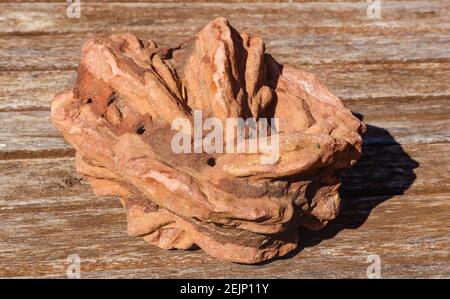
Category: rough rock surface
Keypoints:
(118, 118)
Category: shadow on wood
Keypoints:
(384, 170)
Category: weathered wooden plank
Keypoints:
(384, 80)
(418, 108)
(38, 233)
(291, 40)
(33, 90)
(396, 169)
(199, 1)
(30, 133)
(394, 71)
(403, 131)
(27, 134)
(46, 52)
(382, 170)
(21, 179)
(182, 19)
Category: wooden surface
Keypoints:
(394, 72)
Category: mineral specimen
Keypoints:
(120, 117)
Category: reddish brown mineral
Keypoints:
(118, 117)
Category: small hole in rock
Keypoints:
(141, 43)
(211, 161)
(140, 130)
(112, 98)
(89, 101)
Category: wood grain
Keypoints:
(94, 228)
(394, 72)
(184, 19)
(64, 218)
(388, 169)
(199, 1)
(33, 90)
(63, 51)
(30, 134)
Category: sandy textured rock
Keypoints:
(118, 117)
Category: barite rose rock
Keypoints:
(119, 116)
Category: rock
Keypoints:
(119, 117)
